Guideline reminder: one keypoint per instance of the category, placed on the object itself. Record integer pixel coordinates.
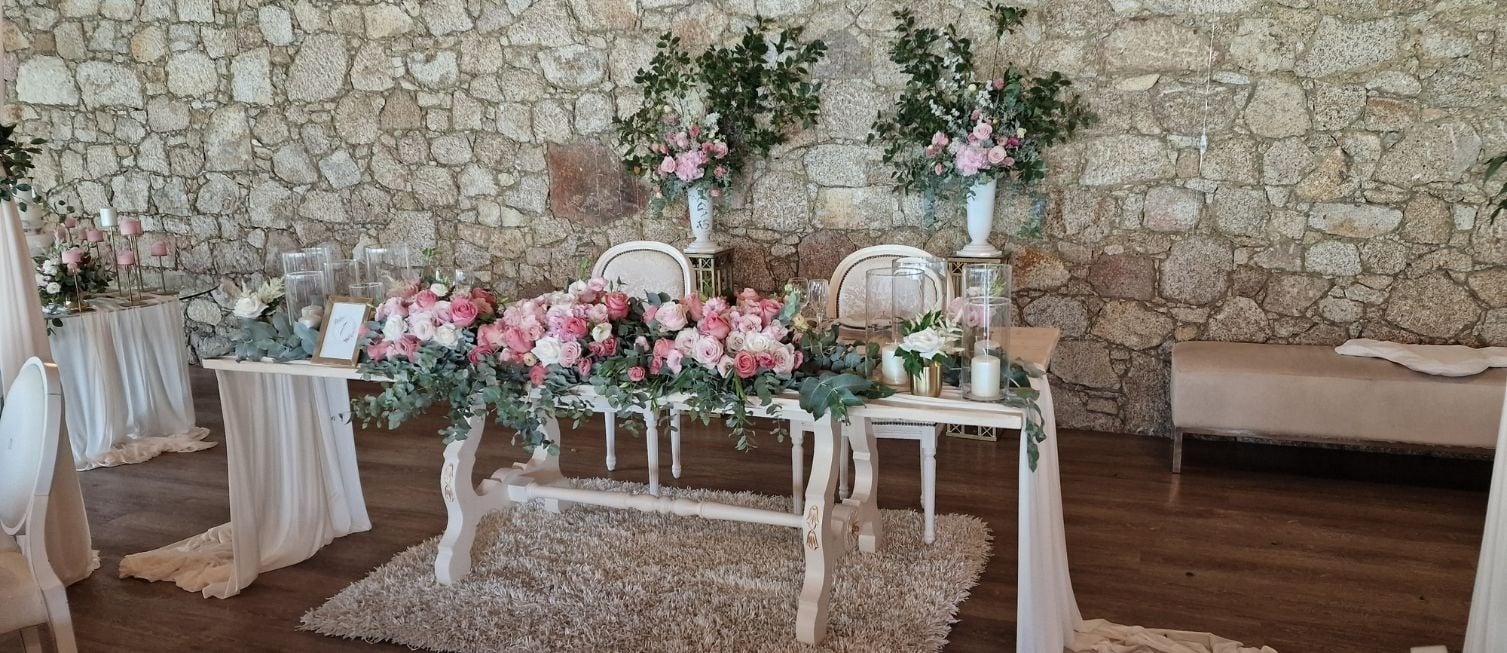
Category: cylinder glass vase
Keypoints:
(891, 296)
(986, 324)
(304, 290)
(934, 281)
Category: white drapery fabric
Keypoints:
(1487, 629)
(294, 485)
(125, 379)
(23, 334)
(1046, 612)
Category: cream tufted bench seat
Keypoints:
(1311, 393)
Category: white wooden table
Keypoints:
(1047, 613)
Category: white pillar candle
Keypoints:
(892, 367)
(984, 376)
(107, 217)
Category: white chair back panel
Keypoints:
(29, 425)
(646, 266)
(845, 300)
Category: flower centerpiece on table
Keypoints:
(65, 273)
(955, 133)
(264, 331)
(924, 347)
(704, 120)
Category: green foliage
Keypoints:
(1493, 166)
(16, 157)
(274, 339)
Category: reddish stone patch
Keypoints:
(1132, 277)
(588, 185)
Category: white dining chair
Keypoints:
(30, 593)
(845, 304)
(643, 266)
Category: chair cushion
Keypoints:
(19, 594)
(1298, 390)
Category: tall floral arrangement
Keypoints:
(704, 119)
(953, 126)
(65, 272)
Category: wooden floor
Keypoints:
(1299, 549)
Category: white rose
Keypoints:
(547, 350)
(671, 316)
(601, 332)
(49, 266)
(576, 287)
(439, 289)
(757, 342)
(249, 307)
(927, 343)
(447, 335)
(736, 341)
(422, 329)
(53, 288)
(394, 328)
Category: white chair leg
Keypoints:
(844, 460)
(797, 466)
(31, 638)
(675, 443)
(611, 441)
(929, 487)
(651, 440)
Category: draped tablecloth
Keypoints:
(1487, 629)
(125, 383)
(294, 486)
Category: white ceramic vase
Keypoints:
(699, 201)
(980, 221)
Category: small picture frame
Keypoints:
(340, 336)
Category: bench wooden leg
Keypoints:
(1177, 451)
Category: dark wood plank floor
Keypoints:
(1297, 548)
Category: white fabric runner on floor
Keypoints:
(23, 335)
(1487, 629)
(125, 379)
(294, 485)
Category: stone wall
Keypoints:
(1338, 194)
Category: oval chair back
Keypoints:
(845, 293)
(30, 422)
(646, 265)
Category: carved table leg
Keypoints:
(929, 486)
(675, 443)
(865, 497)
(797, 464)
(464, 505)
(819, 539)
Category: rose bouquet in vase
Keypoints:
(65, 274)
(955, 133)
(925, 345)
(704, 119)
(264, 332)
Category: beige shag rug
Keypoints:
(596, 579)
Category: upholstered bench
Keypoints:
(1299, 392)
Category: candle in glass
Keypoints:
(988, 320)
(130, 227)
(107, 217)
(159, 250)
(984, 376)
(892, 367)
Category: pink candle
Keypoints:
(94, 235)
(70, 222)
(125, 258)
(130, 227)
(73, 256)
(159, 248)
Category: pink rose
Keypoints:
(598, 313)
(393, 306)
(596, 284)
(672, 361)
(426, 299)
(603, 348)
(405, 347)
(714, 325)
(714, 305)
(517, 340)
(463, 312)
(770, 308)
(570, 352)
(617, 305)
(970, 160)
(784, 360)
(492, 336)
(997, 155)
(939, 139)
(671, 317)
(693, 305)
(583, 367)
(708, 351)
(745, 364)
(999, 84)
(636, 373)
(695, 130)
(650, 312)
(766, 360)
(480, 353)
(663, 347)
(667, 166)
(656, 365)
(376, 351)
(938, 169)
(725, 366)
(719, 150)
(688, 165)
(575, 327)
(536, 374)
(685, 341)
(73, 256)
